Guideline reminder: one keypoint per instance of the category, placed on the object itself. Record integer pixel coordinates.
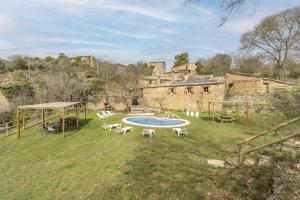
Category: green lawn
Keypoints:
(92, 163)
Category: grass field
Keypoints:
(92, 163)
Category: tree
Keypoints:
(229, 7)
(249, 65)
(276, 38)
(220, 64)
(18, 62)
(62, 56)
(95, 92)
(181, 59)
(202, 67)
(2, 66)
(293, 68)
(49, 59)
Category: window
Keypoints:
(189, 90)
(205, 89)
(172, 91)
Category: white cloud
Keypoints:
(153, 12)
(82, 42)
(142, 35)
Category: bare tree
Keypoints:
(229, 7)
(276, 38)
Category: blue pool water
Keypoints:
(155, 122)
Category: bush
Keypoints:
(285, 103)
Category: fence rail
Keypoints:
(243, 151)
(6, 127)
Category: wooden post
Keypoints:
(213, 111)
(6, 129)
(247, 111)
(77, 120)
(43, 117)
(63, 123)
(18, 123)
(209, 110)
(23, 123)
(240, 154)
(85, 110)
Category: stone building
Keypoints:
(246, 84)
(159, 68)
(89, 60)
(192, 94)
(182, 89)
(189, 68)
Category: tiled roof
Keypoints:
(196, 81)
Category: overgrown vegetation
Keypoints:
(64, 79)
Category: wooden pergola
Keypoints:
(211, 111)
(60, 107)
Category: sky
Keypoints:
(127, 31)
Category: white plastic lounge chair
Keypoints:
(192, 114)
(180, 131)
(124, 130)
(187, 113)
(102, 117)
(148, 132)
(105, 114)
(197, 114)
(111, 126)
(111, 113)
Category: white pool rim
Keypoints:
(153, 126)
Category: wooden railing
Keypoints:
(26, 121)
(243, 151)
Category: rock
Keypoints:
(297, 166)
(233, 161)
(286, 149)
(216, 163)
(249, 162)
(264, 160)
(289, 143)
(297, 144)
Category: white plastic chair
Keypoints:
(110, 113)
(192, 114)
(187, 113)
(124, 130)
(197, 114)
(105, 114)
(101, 116)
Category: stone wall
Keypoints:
(89, 60)
(180, 98)
(275, 85)
(239, 84)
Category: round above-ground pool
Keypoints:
(149, 121)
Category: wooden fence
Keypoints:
(10, 127)
(241, 145)
(26, 121)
